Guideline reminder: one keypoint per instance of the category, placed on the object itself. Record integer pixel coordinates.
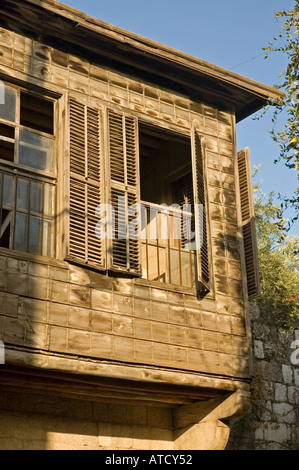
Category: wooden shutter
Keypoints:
(124, 187)
(184, 195)
(86, 170)
(201, 231)
(248, 223)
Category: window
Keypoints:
(27, 172)
(148, 182)
(166, 187)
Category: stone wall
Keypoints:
(273, 423)
(40, 422)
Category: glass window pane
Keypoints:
(5, 226)
(7, 197)
(48, 239)
(49, 200)
(22, 194)
(7, 146)
(21, 235)
(7, 131)
(7, 103)
(36, 197)
(37, 113)
(36, 151)
(35, 235)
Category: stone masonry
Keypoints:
(273, 423)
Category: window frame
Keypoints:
(201, 288)
(32, 175)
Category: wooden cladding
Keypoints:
(86, 169)
(248, 223)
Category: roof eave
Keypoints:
(133, 54)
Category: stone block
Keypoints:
(79, 276)
(275, 432)
(36, 335)
(280, 392)
(58, 314)
(142, 329)
(102, 345)
(79, 318)
(258, 349)
(58, 339)
(32, 310)
(38, 269)
(209, 320)
(293, 395)
(101, 300)
(60, 291)
(16, 283)
(100, 281)
(177, 314)
(59, 274)
(160, 332)
(284, 412)
(142, 291)
(105, 435)
(122, 304)
(38, 287)
(122, 325)
(80, 296)
(143, 351)
(177, 335)
(14, 331)
(160, 311)
(79, 341)
(101, 322)
(142, 440)
(287, 374)
(193, 318)
(11, 305)
(142, 308)
(178, 356)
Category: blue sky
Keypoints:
(229, 34)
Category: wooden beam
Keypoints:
(77, 33)
(99, 389)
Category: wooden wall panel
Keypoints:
(57, 308)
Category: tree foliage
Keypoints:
(287, 43)
(279, 263)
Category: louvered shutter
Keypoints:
(184, 196)
(200, 213)
(248, 224)
(86, 170)
(124, 192)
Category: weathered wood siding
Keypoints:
(58, 308)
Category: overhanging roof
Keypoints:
(72, 31)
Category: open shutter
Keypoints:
(200, 213)
(248, 224)
(124, 192)
(86, 170)
(184, 196)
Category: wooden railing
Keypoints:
(167, 247)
